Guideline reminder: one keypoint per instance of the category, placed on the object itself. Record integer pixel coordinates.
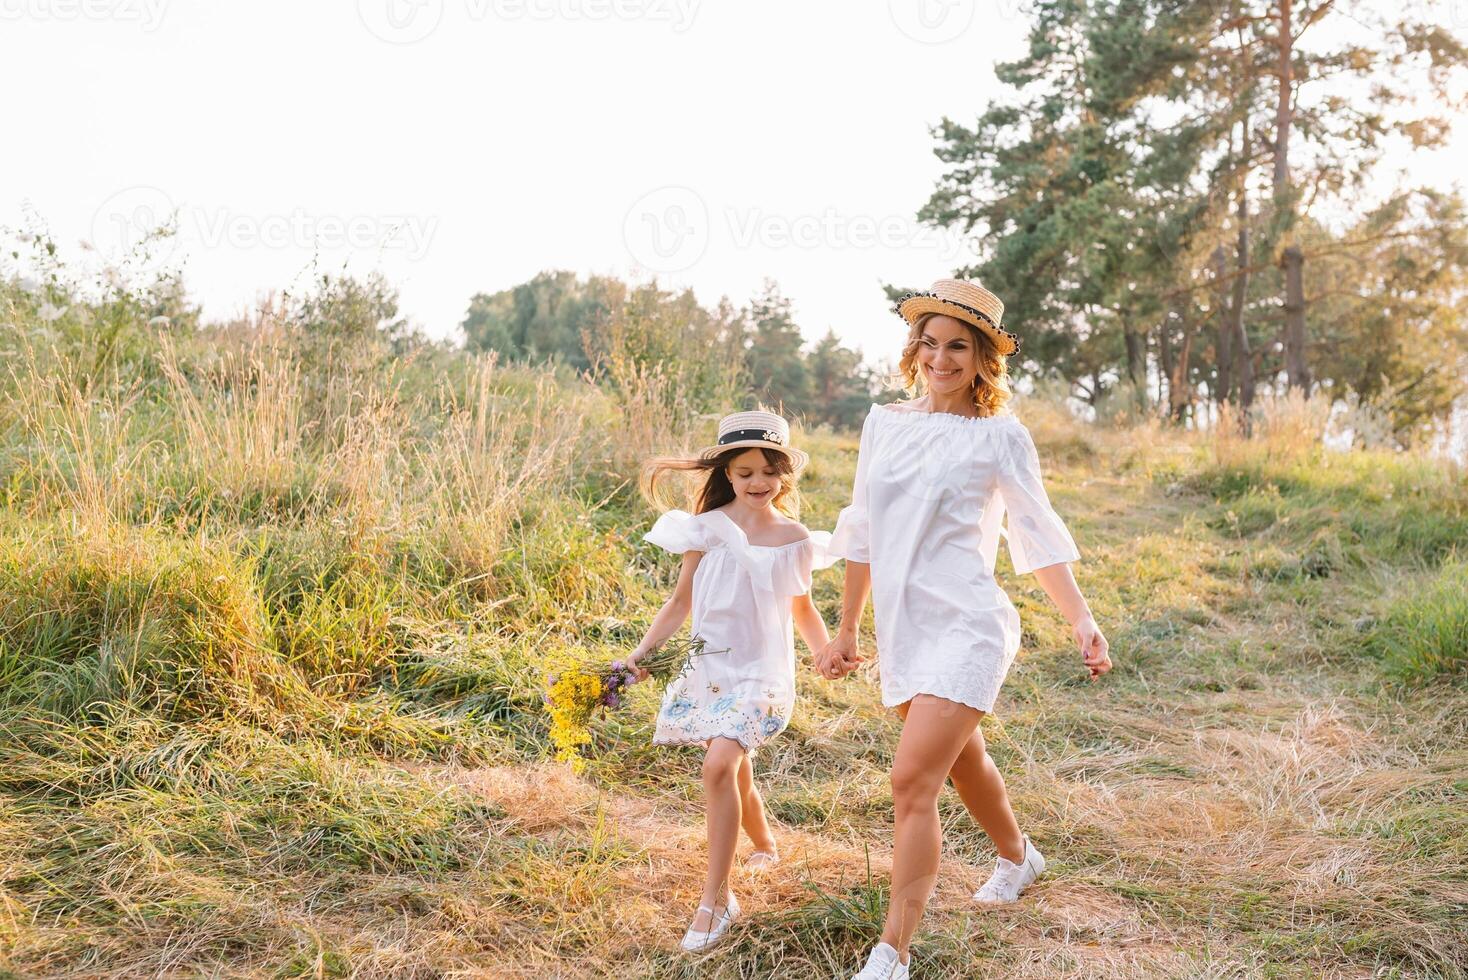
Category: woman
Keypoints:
(934, 478)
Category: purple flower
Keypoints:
(617, 665)
(613, 701)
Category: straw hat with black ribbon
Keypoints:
(962, 300)
(755, 430)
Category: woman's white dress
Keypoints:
(741, 605)
(930, 492)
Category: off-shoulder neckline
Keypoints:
(942, 416)
(750, 544)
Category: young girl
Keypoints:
(746, 575)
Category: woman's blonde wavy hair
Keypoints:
(991, 389)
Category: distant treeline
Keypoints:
(746, 355)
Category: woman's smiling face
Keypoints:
(947, 355)
(755, 478)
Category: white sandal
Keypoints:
(698, 940)
(761, 861)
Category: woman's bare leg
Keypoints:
(981, 787)
(753, 808)
(934, 731)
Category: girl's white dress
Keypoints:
(741, 604)
(930, 492)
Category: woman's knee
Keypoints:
(915, 787)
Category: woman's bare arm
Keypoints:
(841, 655)
(1060, 585)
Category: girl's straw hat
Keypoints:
(966, 301)
(755, 430)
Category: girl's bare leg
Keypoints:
(934, 732)
(723, 804)
(756, 826)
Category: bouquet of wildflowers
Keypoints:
(577, 694)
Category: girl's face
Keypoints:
(755, 479)
(947, 356)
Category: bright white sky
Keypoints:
(464, 145)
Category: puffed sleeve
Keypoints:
(678, 531)
(1037, 535)
(794, 565)
(853, 534)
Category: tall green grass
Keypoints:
(1423, 634)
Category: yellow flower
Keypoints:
(571, 702)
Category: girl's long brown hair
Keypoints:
(991, 385)
(716, 490)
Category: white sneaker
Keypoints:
(698, 940)
(1009, 879)
(883, 964)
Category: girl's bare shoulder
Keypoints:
(790, 531)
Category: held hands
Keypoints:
(839, 657)
(1093, 646)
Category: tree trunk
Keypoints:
(1179, 391)
(1283, 112)
(1243, 359)
(1223, 359)
(1293, 261)
(1164, 360)
(1136, 364)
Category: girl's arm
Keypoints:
(841, 655)
(810, 624)
(669, 619)
(1060, 585)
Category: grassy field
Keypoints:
(272, 628)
